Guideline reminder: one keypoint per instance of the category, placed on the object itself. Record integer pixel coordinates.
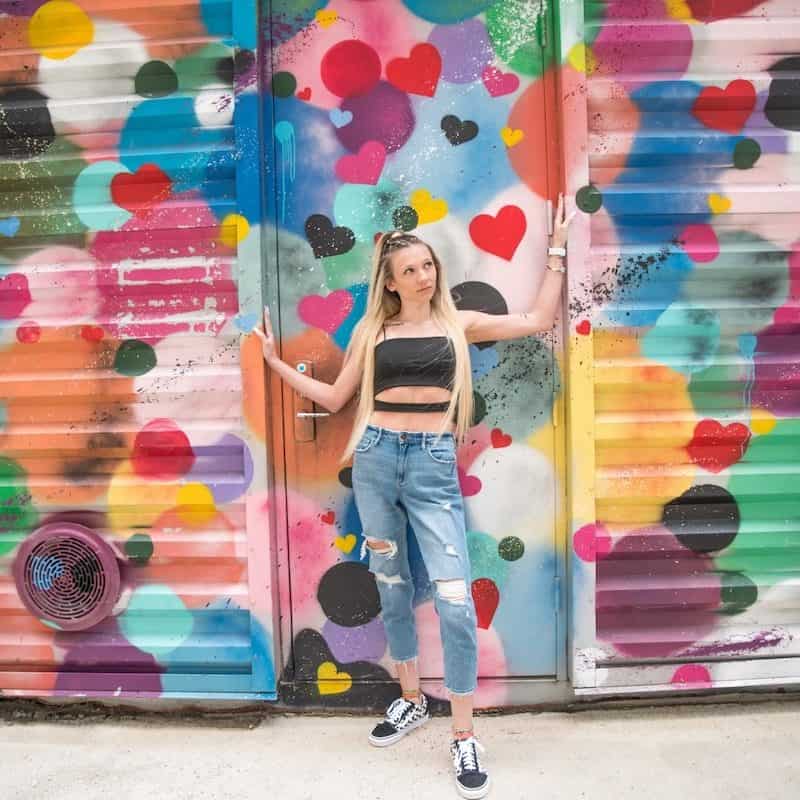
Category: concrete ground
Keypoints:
(749, 751)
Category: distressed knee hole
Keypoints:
(379, 546)
(391, 580)
(453, 591)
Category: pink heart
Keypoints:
(470, 485)
(326, 313)
(365, 166)
(498, 83)
(699, 242)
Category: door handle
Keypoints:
(305, 415)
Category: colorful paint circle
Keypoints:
(465, 50)
(384, 114)
(196, 504)
(155, 79)
(161, 450)
(349, 68)
(405, 218)
(156, 620)
(447, 12)
(29, 333)
(512, 29)
(59, 29)
(511, 548)
(139, 548)
(283, 84)
(737, 593)
(746, 153)
(92, 199)
(589, 199)
(134, 358)
(233, 229)
(15, 295)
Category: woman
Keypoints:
(409, 356)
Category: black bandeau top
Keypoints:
(413, 361)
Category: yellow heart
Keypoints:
(326, 18)
(346, 543)
(718, 204)
(511, 136)
(429, 209)
(329, 681)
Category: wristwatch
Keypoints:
(556, 251)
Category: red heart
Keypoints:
(145, 187)
(417, 74)
(584, 327)
(500, 439)
(499, 235)
(486, 597)
(326, 313)
(470, 484)
(305, 94)
(715, 447)
(710, 10)
(328, 517)
(725, 109)
(363, 167)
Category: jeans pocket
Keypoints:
(442, 451)
(368, 439)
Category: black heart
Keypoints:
(458, 132)
(325, 240)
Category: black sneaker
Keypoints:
(401, 718)
(471, 780)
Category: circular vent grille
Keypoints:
(67, 575)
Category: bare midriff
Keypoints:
(429, 421)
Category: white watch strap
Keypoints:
(556, 251)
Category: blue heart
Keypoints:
(340, 118)
(9, 226)
(483, 361)
(246, 322)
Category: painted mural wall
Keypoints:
(135, 148)
(686, 523)
(129, 267)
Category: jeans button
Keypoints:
(402, 437)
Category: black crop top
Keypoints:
(413, 361)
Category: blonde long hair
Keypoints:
(383, 304)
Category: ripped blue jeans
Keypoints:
(401, 476)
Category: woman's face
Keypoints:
(413, 273)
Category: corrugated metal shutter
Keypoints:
(691, 113)
(128, 181)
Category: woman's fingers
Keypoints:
(258, 332)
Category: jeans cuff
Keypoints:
(460, 694)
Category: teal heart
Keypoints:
(9, 226)
(246, 322)
(340, 118)
(482, 361)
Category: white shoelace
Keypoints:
(465, 755)
(396, 710)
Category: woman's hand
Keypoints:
(267, 338)
(561, 224)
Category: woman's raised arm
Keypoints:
(330, 396)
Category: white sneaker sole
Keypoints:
(474, 794)
(385, 741)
